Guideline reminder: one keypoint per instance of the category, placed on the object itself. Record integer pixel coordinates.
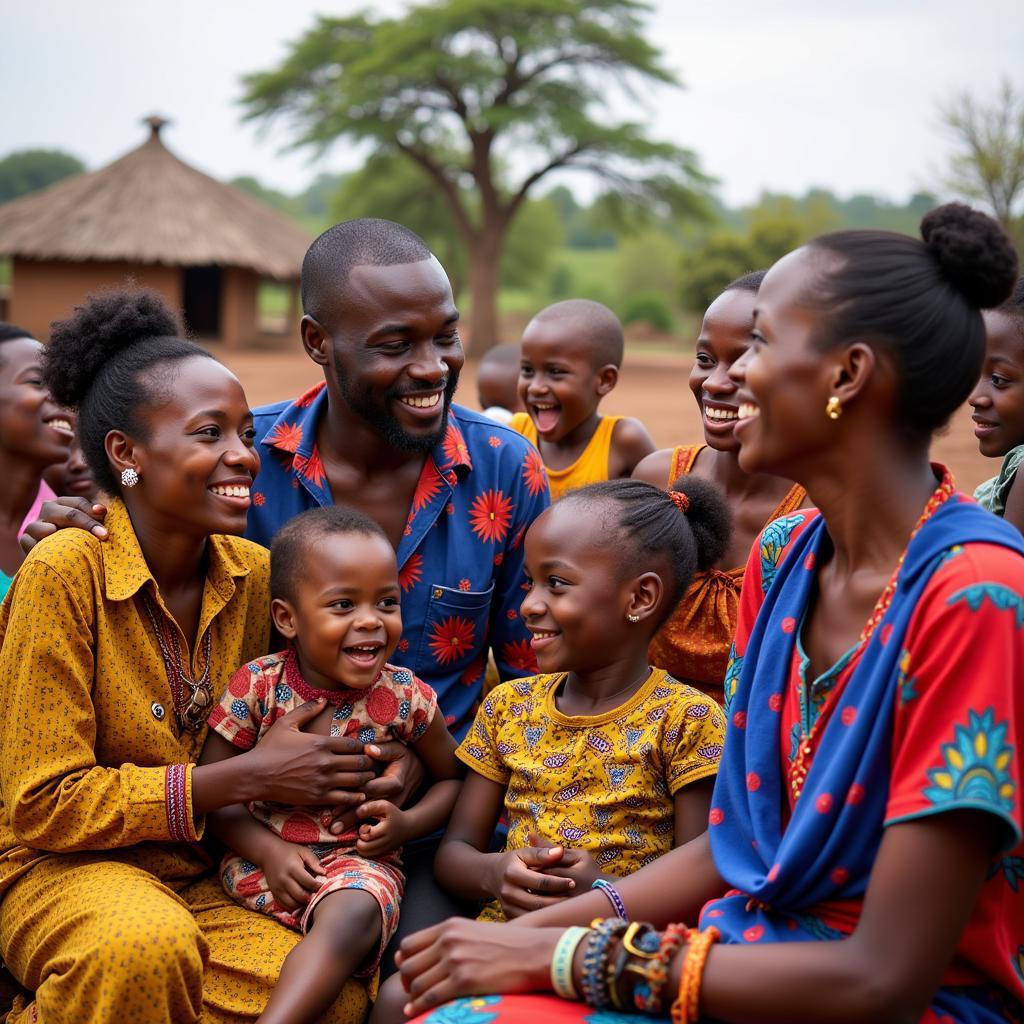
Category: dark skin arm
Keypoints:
(396, 826)
(655, 468)
(923, 886)
(630, 444)
(1014, 513)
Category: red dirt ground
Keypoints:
(652, 388)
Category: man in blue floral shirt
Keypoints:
(454, 490)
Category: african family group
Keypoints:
(367, 706)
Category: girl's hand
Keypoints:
(523, 883)
(289, 766)
(465, 958)
(293, 874)
(580, 866)
(387, 834)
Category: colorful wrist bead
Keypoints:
(561, 961)
(594, 981)
(687, 1004)
(649, 991)
(613, 897)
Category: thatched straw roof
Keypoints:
(149, 207)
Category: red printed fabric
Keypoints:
(957, 735)
(397, 707)
(344, 869)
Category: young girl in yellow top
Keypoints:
(572, 352)
(600, 764)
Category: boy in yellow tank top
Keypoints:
(572, 352)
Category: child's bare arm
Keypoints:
(292, 871)
(463, 863)
(693, 804)
(630, 444)
(234, 826)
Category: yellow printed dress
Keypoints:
(601, 783)
(110, 911)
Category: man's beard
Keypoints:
(386, 423)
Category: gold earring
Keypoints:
(834, 409)
(632, 618)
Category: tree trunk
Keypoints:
(484, 278)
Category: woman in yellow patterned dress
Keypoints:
(110, 655)
(693, 645)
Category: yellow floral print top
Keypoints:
(91, 754)
(602, 783)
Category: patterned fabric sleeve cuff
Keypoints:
(181, 826)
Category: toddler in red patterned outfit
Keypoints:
(335, 598)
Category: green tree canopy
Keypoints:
(32, 169)
(487, 98)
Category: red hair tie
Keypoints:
(682, 502)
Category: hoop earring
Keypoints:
(633, 618)
(834, 408)
(129, 478)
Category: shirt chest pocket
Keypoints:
(454, 629)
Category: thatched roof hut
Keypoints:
(150, 218)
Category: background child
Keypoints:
(693, 644)
(572, 352)
(72, 476)
(998, 403)
(497, 382)
(600, 764)
(335, 592)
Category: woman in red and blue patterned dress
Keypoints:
(864, 859)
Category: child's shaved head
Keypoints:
(591, 322)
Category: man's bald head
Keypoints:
(368, 241)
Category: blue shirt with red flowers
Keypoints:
(461, 559)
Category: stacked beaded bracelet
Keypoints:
(594, 980)
(640, 941)
(613, 897)
(649, 991)
(687, 1004)
(561, 962)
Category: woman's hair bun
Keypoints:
(103, 326)
(709, 518)
(973, 251)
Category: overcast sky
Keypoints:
(780, 94)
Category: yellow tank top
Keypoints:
(590, 468)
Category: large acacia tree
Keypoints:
(487, 98)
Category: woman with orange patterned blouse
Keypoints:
(111, 654)
(693, 645)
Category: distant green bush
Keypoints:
(648, 307)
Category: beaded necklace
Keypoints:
(801, 765)
(192, 698)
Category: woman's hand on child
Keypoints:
(402, 776)
(293, 874)
(385, 835)
(522, 881)
(290, 766)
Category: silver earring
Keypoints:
(633, 618)
(129, 478)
